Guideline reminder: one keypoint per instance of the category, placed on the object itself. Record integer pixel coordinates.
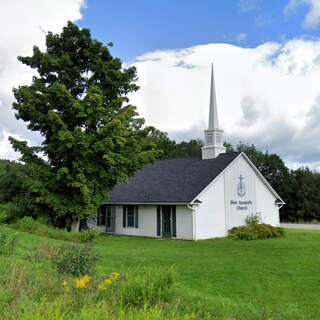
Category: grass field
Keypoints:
(278, 275)
(263, 279)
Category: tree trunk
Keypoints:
(75, 225)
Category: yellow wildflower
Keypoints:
(86, 279)
(101, 286)
(65, 283)
(108, 282)
(115, 275)
(80, 283)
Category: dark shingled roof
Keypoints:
(170, 180)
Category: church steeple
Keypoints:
(213, 113)
(213, 145)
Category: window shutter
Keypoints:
(98, 216)
(174, 227)
(103, 215)
(158, 221)
(136, 217)
(124, 217)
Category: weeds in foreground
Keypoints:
(75, 260)
(31, 287)
(8, 242)
(27, 224)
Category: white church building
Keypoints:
(191, 198)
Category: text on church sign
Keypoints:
(241, 205)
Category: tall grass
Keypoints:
(32, 288)
(30, 225)
(8, 241)
(25, 295)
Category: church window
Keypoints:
(130, 216)
(101, 219)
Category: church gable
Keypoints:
(247, 192)
(238, 191)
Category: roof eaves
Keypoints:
(264, 180)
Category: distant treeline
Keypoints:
(300, 188)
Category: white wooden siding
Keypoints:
(266, 205)
(209, 215)
(184, 223)
(236, 213)
(263, 201)
(147, 222)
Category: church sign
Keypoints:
(241, 192)
(241, 205)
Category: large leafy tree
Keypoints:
(92, 137)
(163, 143)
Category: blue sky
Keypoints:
(140, 26)
(266, 56)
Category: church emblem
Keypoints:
(241, 187)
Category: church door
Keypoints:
(168, 221)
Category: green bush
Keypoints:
(27, 224)
(88, 235)
(253, 219)
(75, 260)
(8, 212)
(148, 287)
(245, 235)
(8, 242)
(256, 231)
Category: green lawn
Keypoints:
(263, 279)
(278, 275)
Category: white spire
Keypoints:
(213, 112)
(213, 142)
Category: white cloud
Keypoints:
(266, 95)
(262, 20)
(6, 152)
(241, 37)
(312, 18)
(21, 23)
(247, 5)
